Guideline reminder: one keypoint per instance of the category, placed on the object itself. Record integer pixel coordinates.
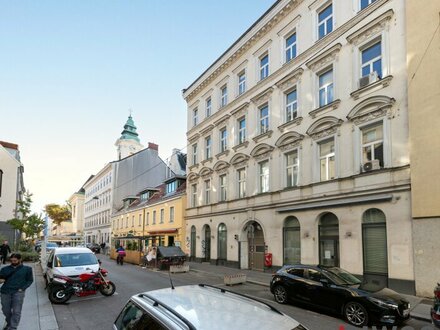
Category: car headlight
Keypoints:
(382, 303)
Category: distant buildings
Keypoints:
(11, 186)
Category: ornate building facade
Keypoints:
(298, 143)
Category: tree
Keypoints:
(27, 223)
(58, 213)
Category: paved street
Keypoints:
(99, 312)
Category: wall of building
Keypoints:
(423, 52)
(8, 198)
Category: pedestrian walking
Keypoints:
(17, 278)
(4, 251)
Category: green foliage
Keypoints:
(30, 256)
(29, 224)
(58, 213)
(24, 246)
(129, 245)
(135, 246)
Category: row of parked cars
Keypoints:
(201, 306)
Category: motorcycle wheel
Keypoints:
(107, 290)
(58, 295)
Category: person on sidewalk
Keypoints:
(17, 278)
(4, 251)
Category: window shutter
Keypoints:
(375, 249)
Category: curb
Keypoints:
(420, 317)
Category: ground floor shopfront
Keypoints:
(369, 235)
(98, 235)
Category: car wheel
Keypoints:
(356, 314)
(280, 294)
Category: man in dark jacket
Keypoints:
(4, 250)
(17, 278)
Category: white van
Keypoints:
(70, 261)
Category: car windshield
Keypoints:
(75, 259)
(340, 276)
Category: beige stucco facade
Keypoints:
(353, 188)
(423, 53)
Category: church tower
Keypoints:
(129, 142)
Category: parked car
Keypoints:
(336, 290)
(70, 261)
(200, 307)
(94, 247)
(169, 255)
(435, 310)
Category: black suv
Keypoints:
(336, 290)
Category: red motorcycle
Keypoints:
(62, 288)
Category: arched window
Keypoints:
(193, 241)
(329, 240)
(292, 241)
(222, 243)
(374, 242)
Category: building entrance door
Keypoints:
(256, 246)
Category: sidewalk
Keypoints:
(37, 312)
(420, 307)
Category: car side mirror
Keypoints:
(49, 264)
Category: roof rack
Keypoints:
(241, 295)
(158, 302)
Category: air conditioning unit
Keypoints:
(371, 165)
(366, 80)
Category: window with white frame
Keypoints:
(224, 95)
(263, 176)
(291, 105)
(325, 93)
(194, 153)
(171, 214)
(241, 130)
(371, 58)
(325, 21)
(264, 66)
(290, 45)
(372, 143)
(154, 217)
(241, 178)
(162, 215)
(195, 117)
(194, 195)
(223, 139)
(264, 118)
(366, 3)
(222, 180)
(207, 191)
(241, 82)
(292, 168)
(208, 147)
(327, 159)
(208, 107)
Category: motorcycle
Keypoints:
(62, 288)
(120, 258)
(435, 310)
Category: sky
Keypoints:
(71, 70)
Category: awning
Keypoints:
(163, 231)
(336, 202)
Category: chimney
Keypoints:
(153, 146)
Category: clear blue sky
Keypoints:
(70, 70)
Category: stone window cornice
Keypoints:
(324, 59)
(373, 28)
(290, 80)
(241, 110)
(262, 97)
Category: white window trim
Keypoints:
(370, 62)
(259, 176)
(357, 144)
(259, 128)
(316, 163)
(207, 191)
(208, 151)
(244, 182)
(289, 29)
(315, 8)
(223, 140)
(221, 187)
(295, 165)
(261, 52)
(263, 68)
(195, 116)
(194, 154)
(209, 98)
(290, 47)
(239, 130)
(317, 75)
(239, 84)
(224, 97)
(285, 105)
(194, 195)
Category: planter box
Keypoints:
(235, 279)
(179, 268)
